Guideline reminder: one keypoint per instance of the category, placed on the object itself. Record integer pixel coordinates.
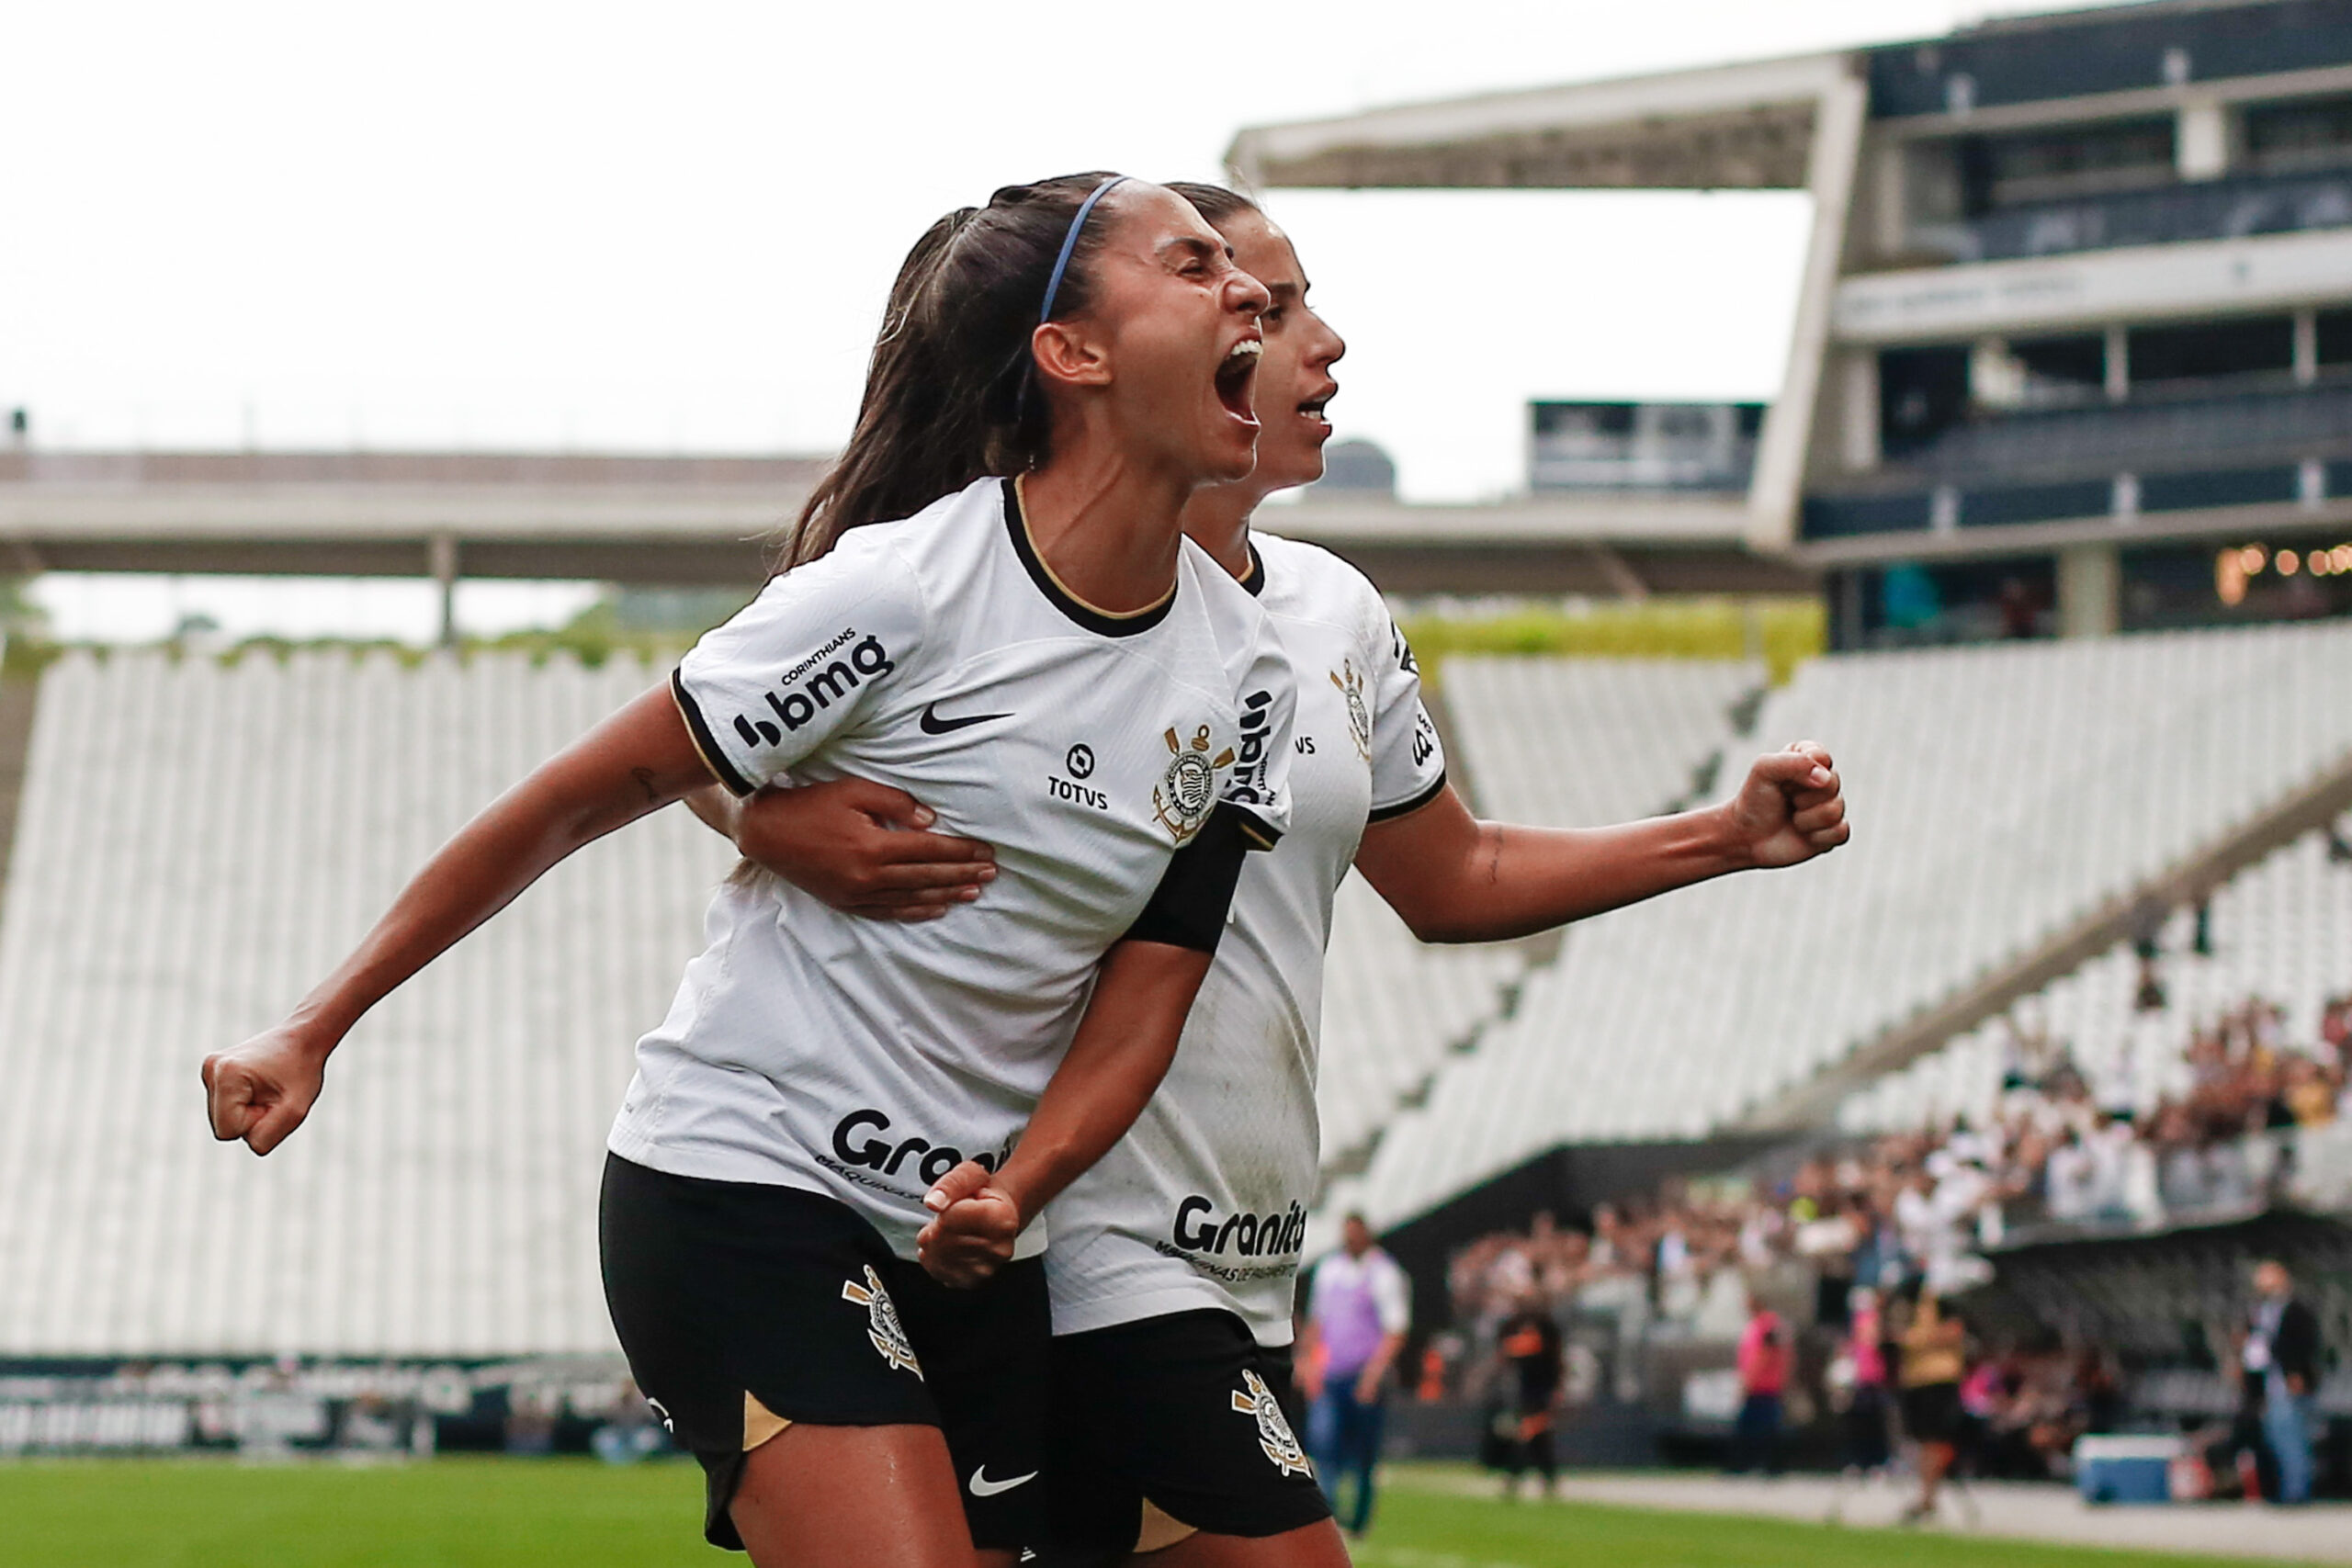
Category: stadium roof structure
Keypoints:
(1790, 124)
(706, 520)
(2121, 177)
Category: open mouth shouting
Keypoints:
(1236, 376)
(1312, 409)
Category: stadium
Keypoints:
(2047, 531)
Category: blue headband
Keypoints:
(1069, 243)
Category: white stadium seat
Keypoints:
(1561, 743)
(199, 844)
(1997, 793)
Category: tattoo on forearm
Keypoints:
(644, 777)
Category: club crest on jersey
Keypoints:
(882, 1321)
(1358, 713)
(1186, 791)
(1254, 1398)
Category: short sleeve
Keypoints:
(1391, 1298)
(1267, 701)
(800, 663)
(1407, 762)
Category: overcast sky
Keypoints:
(671, 227)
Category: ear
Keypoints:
(1070, 354)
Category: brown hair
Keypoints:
(1214, 203)
(943, 403)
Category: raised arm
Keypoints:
(1454, 878)
(639, 760)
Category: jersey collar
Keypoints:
(1253, 582)
(1103, 623)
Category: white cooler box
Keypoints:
(2126, 1470)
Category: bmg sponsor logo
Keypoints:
(1248, 786)
(816, 683)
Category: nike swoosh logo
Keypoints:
(932, 723)
(981, 1485)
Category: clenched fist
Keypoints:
(1791, 808)
(261, 1090)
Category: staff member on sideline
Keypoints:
(1357, 1312)
(1763, 1374)
(2280, 1362)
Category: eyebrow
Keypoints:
(1197, 246)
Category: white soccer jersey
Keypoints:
(863, 1058)
(1204, 1203)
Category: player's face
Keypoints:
(1176, 324)
(1294, 378)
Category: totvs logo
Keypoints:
(816, 683)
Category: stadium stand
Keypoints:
(1560, 743)
(2281, 931)
(200, 842)
(1578, 743)
(2021, 787)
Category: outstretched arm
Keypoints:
(637, 761)
(1454, 878)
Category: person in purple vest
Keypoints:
(1357, 1310)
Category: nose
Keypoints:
(1246, 294)
(1333, 349)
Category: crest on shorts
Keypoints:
(1358, 713)
(1254, 1398)
(882, 1321)
(1186, 791)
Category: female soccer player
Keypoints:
(1040, 652)
(1172, 1261)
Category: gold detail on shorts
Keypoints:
(1254, 1398)
(882, 1325)
(760, 1423)
(1159, 1528)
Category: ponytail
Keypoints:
(943, 404)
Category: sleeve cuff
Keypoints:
(1256, 834)
(713, 756)
(1407, 806)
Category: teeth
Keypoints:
(1248, 348)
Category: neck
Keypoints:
(1106, 527)
(1218, 519)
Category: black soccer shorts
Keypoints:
(1182, 1419)
(744, 1307)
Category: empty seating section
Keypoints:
(2280, 929)
(1392, 1007)
(198, 844)
(1579, 742)
(1999, 793)
(1559, 742)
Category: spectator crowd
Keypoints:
(1875, 1223)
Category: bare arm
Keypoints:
(857, 846)
(636, 761)
(1454, 878)
(1375, 1372)
(1122, 1048)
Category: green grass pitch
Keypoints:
(488, 1513)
